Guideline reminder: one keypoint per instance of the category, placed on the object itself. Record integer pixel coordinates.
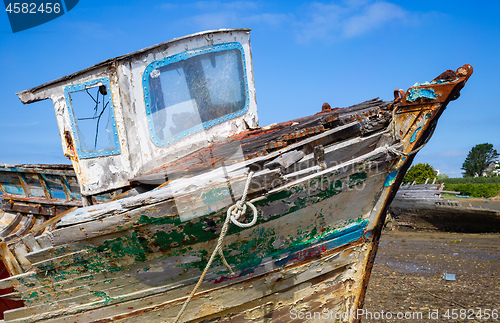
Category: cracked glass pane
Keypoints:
(92, 117)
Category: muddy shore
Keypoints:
(407, 278)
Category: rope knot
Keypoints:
(238, 209)
(234, 212)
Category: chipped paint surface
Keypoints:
(391, 178)
(320, 186)
(414, 136)
(414, 94)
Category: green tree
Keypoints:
(420, 173)
(478, 160)
(442, 177)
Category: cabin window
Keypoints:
(194, 90)
(90, 107)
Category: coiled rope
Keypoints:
(233, 214)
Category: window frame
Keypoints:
(81, 87)
(184, 56)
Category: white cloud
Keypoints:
(373, 16)
(308, 22)
(268, 18)
(218, 5)
(217, 14)
(235, 19)
(348, 19)
(96, 29)
(168, 6)
(212, 20)
(18, 125)
(321, 20)
(453, 153)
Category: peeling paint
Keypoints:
(414, 136)
(391, 178)
(417, 93)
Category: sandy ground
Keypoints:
(407, 278)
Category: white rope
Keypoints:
(236, 210)
(400, 153)
(233, 213)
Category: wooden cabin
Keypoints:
(127, 116)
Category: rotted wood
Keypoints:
(11, 226)
(9, 259)
(190, 188)
(52, 221)
(29, 221)
(263, 141)
(35, 206)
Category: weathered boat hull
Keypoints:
(422, 207)
(322, 216)
(445, 216)
(320, 185)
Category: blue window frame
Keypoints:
(92, 116)
(194, 90)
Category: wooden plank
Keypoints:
(46, 189)
(373, 154)
(52, 221)
(29, 221)
(9, 260)
(195, 185)
(20, 251)
(25, 186)
(270, 283)
(56, 262)
(11, 226)
(338, 153)
(256, 141)
(77, 298)
(30, 242)
(13, 281)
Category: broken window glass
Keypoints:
(93, 118)
(187, 93)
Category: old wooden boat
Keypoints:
(422, 207)
(181, 196)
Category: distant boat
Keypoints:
(179, 206)
(422, 207)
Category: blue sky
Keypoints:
(304, 52)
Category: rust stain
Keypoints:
(326, 108)
(69, 143)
